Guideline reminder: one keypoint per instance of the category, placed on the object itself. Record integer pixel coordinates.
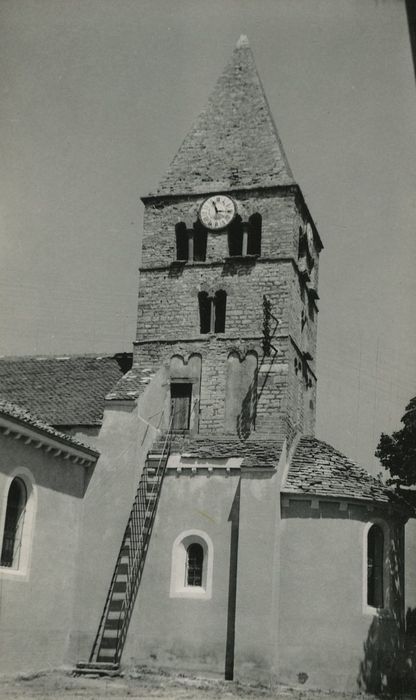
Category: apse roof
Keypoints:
(234, 142)
(319, 469)
(316, 468)
(64, 390)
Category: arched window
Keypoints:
(235, 237)
(375, 567)
(205, 312)
(212, 312)
(302, 245)
(200, 243)
(245, 238)
(182, 243)
(254, 235)
(305, 247)
(13, 524)
(194, 564)
(220, 301)
(191, 244)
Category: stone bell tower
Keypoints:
(228, 282)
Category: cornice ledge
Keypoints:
(32, 435)
(208, 189)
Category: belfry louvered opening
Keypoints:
(191, 244)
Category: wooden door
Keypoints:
(180, 405)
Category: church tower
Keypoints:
(208, 529)
(228, 281)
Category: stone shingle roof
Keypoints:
(256, 453)
(22, 416)
(320, 470)
(129, 386)
(61, 390)
(234, 142)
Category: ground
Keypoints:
(144, 683)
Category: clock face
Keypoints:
(217, 211)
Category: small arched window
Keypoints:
(254, 235)
(182, 242)
(191, 244)
(199, 243)
(235, 237)
(220, 302)
(194, 564)
(13, 524)
(375, 567)
(205, 312)
(212, 312)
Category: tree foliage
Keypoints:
(397, 452)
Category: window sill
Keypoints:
(377, 612)
(193, 592)
(241, 258)
(212, 335)
(7, 573)
(182, 263)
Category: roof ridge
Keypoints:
(58, 356)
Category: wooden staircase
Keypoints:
(114, 623)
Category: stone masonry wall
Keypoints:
(168, 302)
(276, 207)
(272, 380)
(169, 318)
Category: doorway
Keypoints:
(180, 406)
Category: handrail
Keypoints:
(148, 510)
(135, 539)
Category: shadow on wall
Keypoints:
(247, 416)
(389, 665)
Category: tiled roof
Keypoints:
(21, 415)
(66, 390)
(234, 142)
(256, 453)
(129, 386)
(320, 470)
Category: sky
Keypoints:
(97, 96)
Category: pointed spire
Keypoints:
(234, 142)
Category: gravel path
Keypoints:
(146, 683)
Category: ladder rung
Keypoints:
(110, 638)
(106, 657)
(119, 587)
(113, 624)
(122, 569)
(102, 666)
(108, 643)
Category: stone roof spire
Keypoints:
(234, 142)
